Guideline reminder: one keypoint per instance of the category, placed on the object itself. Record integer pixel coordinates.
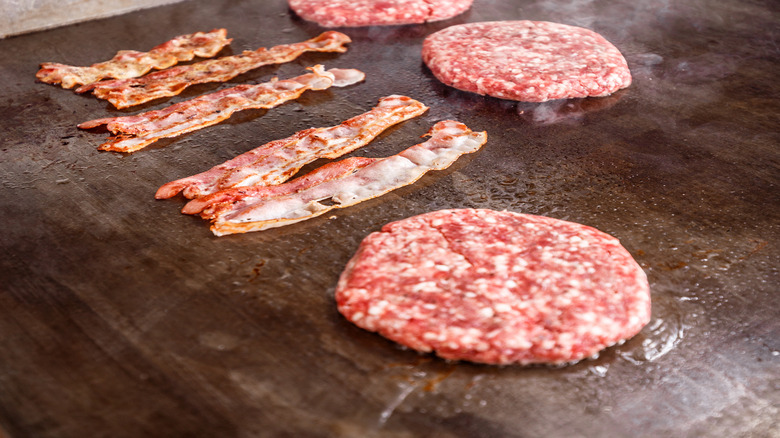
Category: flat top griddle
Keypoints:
(121, 317)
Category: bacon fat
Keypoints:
(341, 184)
(274, 162)
(123, 93)
(131, 64)
(135, 132)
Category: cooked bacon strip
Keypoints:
(275, 162)
(131, 64)
(258, 208)
(128, 92)
(135, 132)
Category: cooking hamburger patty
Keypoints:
(335, 13)
(530, 61)
(495, 287)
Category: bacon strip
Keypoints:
(341, 184)
(237, 198)
(274, 162)
(128, 92)
(135, 132)
(130, 63)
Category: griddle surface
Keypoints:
(121, 317)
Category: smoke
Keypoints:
(565, 110)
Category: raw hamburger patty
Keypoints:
(530, 61)
(495, 287)
(335, 13)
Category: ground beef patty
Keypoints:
(495, 287)
(335, 13)
(531, 61)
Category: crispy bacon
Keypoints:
(274, 162)
(336, 185)
(135, 132)
(131, 64)
(128, 92)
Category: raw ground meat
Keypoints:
(336, 13)
(531, 61)
(495, 287)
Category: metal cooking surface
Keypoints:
(121, 317)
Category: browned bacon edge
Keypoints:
(274, 162)
(123, 93)
(135, 132)
(130, 63)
